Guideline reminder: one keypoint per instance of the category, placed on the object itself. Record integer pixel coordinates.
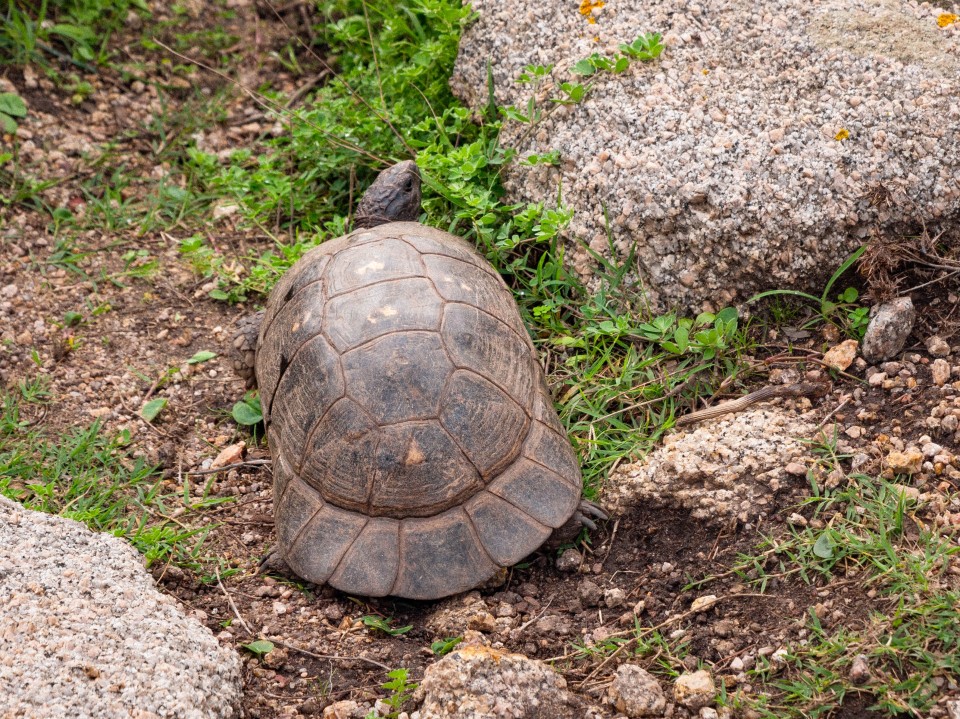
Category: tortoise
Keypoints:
(416, 450)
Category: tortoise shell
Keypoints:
(415, 447)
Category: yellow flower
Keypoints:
(587, 7)
(947, 18)
(842, 135)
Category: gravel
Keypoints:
(764, 146)
(87, 634)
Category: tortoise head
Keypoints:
(393, 197)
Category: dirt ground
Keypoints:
(144, 312)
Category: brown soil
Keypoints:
(136, 328)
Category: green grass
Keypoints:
(50, 31)
(863, 532)
(86, 475)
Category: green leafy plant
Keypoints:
(445, 646)
(400, 688)
(843, 311)
(37, 32)
(151, 409)
(385, 625)
(260, 647)
(248, 412)
(12, 108)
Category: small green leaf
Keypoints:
(584, 67)
(681, 336)
(73, 32)
(623, 63)
(259, 647)
(202, 356)
(849, 295)
(247, 412)
(728, 314)
(384, 625)
(219, 295)
(12, 104)
(824, 546)
(152, 408)
(8, 123)
(445, 646)
(72, 318)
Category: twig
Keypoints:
(846, 400)
(613, 535)
(235, 465)
(233, 606)
(335, 657)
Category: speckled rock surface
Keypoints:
(88, 635)
(727, 467)
(721, 161)
(476, 682)
(636, 692)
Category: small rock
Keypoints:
(229, 455)
(937, 346)
(636, 693)
(888, 330)
(614, 597)
(953, 709)
(736, 665)
(275, 658)
(797, 520)
(471, 681)
(221, 211)
(860, 670)
(553, 624)
(708, 713)
(702, 604)
(842, 355)
(940, 372)
(590, 594)
(694, 690)
(346, 709)
(482, 622)
(569, 561)
(796, 469)
(907, 492)
(907, 462)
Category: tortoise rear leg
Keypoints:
(587, 512)
(584, 516)
(245, 348)
(273, 561)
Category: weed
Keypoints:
(385, 625)
(445, 646)
(843, 312)
(92, 478)
(862, 530)
(31, 32)
(247, 412)
(12, 107)
(400, 688)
